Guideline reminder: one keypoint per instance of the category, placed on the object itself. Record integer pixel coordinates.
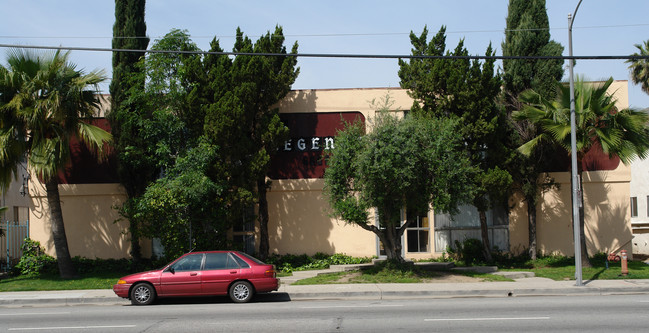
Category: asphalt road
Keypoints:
(626, 313)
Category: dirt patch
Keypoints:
(445, 277)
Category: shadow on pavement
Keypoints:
(259, 298)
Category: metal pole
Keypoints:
(573, 155)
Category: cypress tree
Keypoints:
(528, 34)
(129, 32)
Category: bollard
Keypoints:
(625, 268)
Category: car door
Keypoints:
(219, 271)
(183, 277)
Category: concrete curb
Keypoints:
(358, 291)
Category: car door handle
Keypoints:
(233, 272)
(193, 274)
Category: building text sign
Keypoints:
(311, 135)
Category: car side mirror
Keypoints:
(171, 269)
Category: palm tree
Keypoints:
(44, 101)
(640, 67)
(619, 133)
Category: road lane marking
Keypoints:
(33, 313)
(487, 319)
(68, 328)
(351, 306)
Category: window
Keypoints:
(634, 206)
(190, 262)
(241, 262)
(216, 261)
(243, 235)
(418, 232)
(220, 261)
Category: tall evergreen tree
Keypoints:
(244, 123)
(528, 34)
(466, 90)
(129, 32)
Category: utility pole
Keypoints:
(573, 148)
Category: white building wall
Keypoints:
(639, 188)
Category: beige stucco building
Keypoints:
(299, 219)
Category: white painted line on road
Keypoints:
(67, 328)
(33, 313)
(352, 306)
(487, 319)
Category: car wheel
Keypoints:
(142, 294)
(241, 292)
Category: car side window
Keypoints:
(241, 262)
(216, 261)
(232, 263)
(191, 262)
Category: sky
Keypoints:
(601, 27)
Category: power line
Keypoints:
(330, 55)
(334, 34)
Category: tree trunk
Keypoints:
(531, 227)
(264, 244)
(66, 268)
(484, 230)
(392, 244)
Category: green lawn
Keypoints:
(53, 282)
(566, 271)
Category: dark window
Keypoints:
(243, 254)
(190, 262)
(216, 261)
(634, 206)
(418, 232)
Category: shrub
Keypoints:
(34, 261)
(469, 251)
(289, 262)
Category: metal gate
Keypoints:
(15, 233)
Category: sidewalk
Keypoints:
(522, 286)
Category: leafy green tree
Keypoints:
(129, 32)
(528, 34)
(44, 103)
(467, 91)
(640, 67)
(409, 163)
(151, 122)
(619, 133)
(184, 209)
(245, 123)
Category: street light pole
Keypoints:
(573, 153)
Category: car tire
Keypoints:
(142, 294)
(241, 292)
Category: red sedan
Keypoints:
(208, 273)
